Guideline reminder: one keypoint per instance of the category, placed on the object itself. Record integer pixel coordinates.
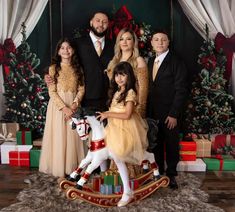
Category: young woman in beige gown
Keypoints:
(62, 149)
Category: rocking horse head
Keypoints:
(84, 120)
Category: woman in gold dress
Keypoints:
(126, 49)
(62, 149)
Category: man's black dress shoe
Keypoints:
(173, 184)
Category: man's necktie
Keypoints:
(155, 69)
(98, 47)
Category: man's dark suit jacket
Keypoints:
(168, 92)
(96, 80)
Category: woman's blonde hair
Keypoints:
(118, 53)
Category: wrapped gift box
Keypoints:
(96, 183)
(118, 189)
(106, 189)
(223, 144)
(24, 137)
(191, 166)
(24, 147)
(134, 184)
(219, 163)
(34, 157)
(8, 131)
(203, 147)
(187, 150)
(109, 179)
(6, 147)
(17, 158)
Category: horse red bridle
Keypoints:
(87, 127)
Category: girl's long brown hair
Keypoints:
(56, 60)
(122, 68)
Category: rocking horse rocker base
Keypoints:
(146, 183)
(111, 200)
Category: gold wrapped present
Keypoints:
(8, 131)
(203, 148)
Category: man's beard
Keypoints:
(98, 34)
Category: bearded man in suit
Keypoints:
(94, 60)
(166, 98)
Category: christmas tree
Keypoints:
(210, 107)
(25, 91)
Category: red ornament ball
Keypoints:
(38, 89)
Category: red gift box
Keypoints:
(96, 182)
(17, 158)
(223, 144)
(134, 184)
(188, 150)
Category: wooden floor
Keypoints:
(220, 186)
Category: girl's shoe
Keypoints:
(126, 199)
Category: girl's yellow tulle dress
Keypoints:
(126, 139)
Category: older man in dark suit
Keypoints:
(166, 99)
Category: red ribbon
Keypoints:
(122, 18)
(221, 161)
(123, 14)
(23, 137)
(6, 69)
(228, 45)
(5, 50)
(96, 145)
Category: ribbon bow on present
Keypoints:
(5, 135)
(228, 45)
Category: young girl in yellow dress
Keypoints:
(62, 149)
(126, 132)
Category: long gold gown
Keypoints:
(62, 149)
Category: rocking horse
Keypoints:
(84, 121)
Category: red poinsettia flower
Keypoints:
(9, 45)
(141, 44)
(208, 62)
(2, 54)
